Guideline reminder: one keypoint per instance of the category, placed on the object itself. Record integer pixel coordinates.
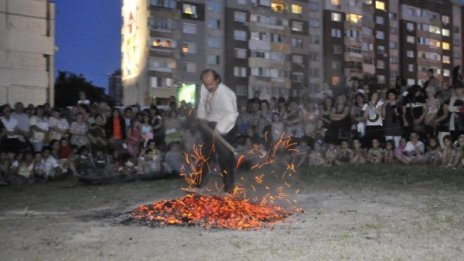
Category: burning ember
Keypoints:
(210, 212)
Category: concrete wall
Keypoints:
(27, 46)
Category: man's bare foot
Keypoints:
(194, 190)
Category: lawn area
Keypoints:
(369, 212)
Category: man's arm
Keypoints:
(201, 113)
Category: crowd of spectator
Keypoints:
(406, 124)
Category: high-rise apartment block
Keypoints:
(285, 47)
(27, 51)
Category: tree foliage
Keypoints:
(69, 85)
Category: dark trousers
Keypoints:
(211, 148)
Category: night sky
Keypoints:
(88, 37)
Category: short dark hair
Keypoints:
(216, 75)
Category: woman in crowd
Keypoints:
(392, 118)
(116, 130)
(79, 131)
(40, 128)
(373, 118)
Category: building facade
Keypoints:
(285, 47)
(27, 51)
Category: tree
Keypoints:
(69, 85)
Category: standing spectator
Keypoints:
(373, 117)
(432, 81)
(392, 117)
(441, 122)
(11, 142)
(134, 139)
(59, 126)
(326, 111)
(414, 110)
(83, 99)
(293, 121)
(357, 116)
(128, 117)
(432, 106)
(172, 128)
(146, 129)
(116, 130)
(340, 126)
(264, 122)
(24, 126)
(157, 121)
(456, 107)
(78, 131)
(311, 115)
(40, 128)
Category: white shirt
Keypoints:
(10, 125)
(61, 124)
(23, 121)
(373, 118)
(219, 106)
(410, 147)
(41, 123)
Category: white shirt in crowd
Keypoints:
(374, 118)
(23, 121)
(410, 147)
(219, 106)
(60, 124)
(42, 123)
(10, 125)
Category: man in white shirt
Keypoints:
(218, 109)
(22, 118)
(11, 143)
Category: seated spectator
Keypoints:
(359, 154)
(316, 156)
(400, 148)
(102, 161)
(345, 154)
(25, 170)
(413, 151)
(39, 172)
(389, 154)
(376, 153)
(52, 167)
(331, 154)
(149, 163)
(146, 129)
(300, 154)
(433, 155)
(59, 126)
(79, 131)
(97, 134)
(173, 159)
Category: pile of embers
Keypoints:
(209, 212)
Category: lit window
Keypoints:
(446, 73)
(380, 5)
(445, 32)
(444, 46)
(354, 18)
(297, 9)
(335, 2)
(446, 59)
(445, 19)
(336, 17)
(410, 27)
(410, 39)
(410, 54)
(190, 10)
(335, 80)
(277, 7)
(185, 48)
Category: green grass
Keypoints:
(393, 174)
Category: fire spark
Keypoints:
(210, 212)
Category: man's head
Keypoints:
(19, 107)
(430, 72)
(210, 79)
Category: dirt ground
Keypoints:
(350, 213)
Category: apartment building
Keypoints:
(285, 47)
(27, 51)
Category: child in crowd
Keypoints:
(146, 130)
(173, 159)
(345, 154)
(316, 157)
(448, 152)
(400, 149)
(433, 155)
(149, 163)
(376, 153)
(331, 154)
(277, 128)
(26, 167)
(135, 139)
(101, 161)
(359, 154)
(52, 167)
(389, 154)
(39, 172)
(300, 154)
